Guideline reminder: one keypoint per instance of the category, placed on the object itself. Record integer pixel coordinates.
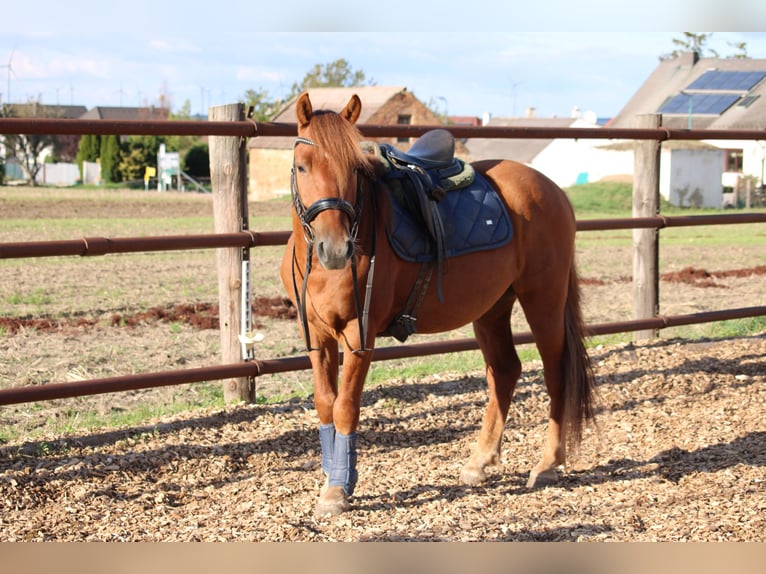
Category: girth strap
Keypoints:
(405, 323)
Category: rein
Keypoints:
(306, 217)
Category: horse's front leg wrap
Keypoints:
(327, 442)
(343, 471)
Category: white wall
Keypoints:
(568, 161)
(692, 177)
(58, 174)
(91, 172)
(753, 152)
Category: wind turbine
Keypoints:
(9, 66)
(121, 92)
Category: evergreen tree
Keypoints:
(110, 158)
(181, 143)
(140, 153)
(88, 150)
(197, 161)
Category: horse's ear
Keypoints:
(303, 110)
(353, 109)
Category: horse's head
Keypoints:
(328, 167)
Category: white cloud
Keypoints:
(175, 46)
(257, 74)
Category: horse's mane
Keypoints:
(338, 141)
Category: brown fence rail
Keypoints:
(93, 246)
(247, 129)
(256, 368)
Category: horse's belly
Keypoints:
(466, 298)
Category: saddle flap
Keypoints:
(473, 219)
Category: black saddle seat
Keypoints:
(435, 149)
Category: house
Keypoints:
(708, 93)
(64, 173)
(35, 110)
(126, 113)
(270, 158)
(14, 170)
(566, 161)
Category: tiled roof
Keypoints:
(46, 110)
(674, 75)
(373, 98)
(522, 149)
(124, 113)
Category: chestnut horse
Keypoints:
(339, 221)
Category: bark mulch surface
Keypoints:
(679, 454)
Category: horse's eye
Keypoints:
(301, 169)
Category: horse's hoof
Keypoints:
(332, 501)
(472, 476)
(324, 487)
(540, 479)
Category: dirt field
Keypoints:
(678, 453)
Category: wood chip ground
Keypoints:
(679, 455)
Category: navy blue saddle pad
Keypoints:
(474, 219)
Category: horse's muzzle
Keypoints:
(334, 254)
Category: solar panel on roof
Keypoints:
(727, 81)
(698, 104)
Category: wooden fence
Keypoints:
(233, 239)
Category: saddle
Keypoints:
(440, 208)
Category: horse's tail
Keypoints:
(579, 381)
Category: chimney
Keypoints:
(530, 113)
(575, 112)
(689, 59)
(485, 117)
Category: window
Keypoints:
(403, 119)
(747, 101)
(733, 160)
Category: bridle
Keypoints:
(306, 216)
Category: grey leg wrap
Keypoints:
(327, 442)
(343, 471)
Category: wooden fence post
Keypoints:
(646, 203)
(228, 174)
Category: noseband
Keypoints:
(306, 217)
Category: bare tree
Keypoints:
(691, 42)
(741, 48)
(337, 74)
(27, 149)
(264, 107)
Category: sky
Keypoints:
(466, 59)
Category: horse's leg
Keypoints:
(544, 311)
(342, 475)
(324, 366)
(493, 333)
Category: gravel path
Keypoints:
(679, 454)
